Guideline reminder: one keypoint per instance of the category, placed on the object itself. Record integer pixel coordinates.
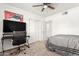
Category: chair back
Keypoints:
(19, 37)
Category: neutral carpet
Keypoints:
(36, 49)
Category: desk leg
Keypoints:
(2, 46)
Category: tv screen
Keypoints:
(10, 26)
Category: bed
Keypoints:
(62, 42)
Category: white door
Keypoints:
(47, 29)
(35, 30)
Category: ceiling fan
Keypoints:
(45, 5)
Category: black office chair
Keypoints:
(19, 38)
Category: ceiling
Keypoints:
(47, 12)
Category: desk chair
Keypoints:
(19, 38)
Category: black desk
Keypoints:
(10, 36)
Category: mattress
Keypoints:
(70, 41)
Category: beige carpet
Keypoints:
(38, 49)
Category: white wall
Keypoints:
(65, 24)
(34, 24)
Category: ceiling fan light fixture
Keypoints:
(45, 6)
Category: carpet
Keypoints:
(36, 49)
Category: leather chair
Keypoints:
(19, 38)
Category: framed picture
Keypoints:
(9, 15)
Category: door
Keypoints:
(47, 29)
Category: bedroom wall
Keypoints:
(34, 25)
(65, 24)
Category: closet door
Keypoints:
(35, 30)
(47, 29)
(38, 30)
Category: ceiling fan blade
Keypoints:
(51, 7)
(37, 5)
(42, 9)
(46, 3)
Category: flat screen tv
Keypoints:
(10, 26)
